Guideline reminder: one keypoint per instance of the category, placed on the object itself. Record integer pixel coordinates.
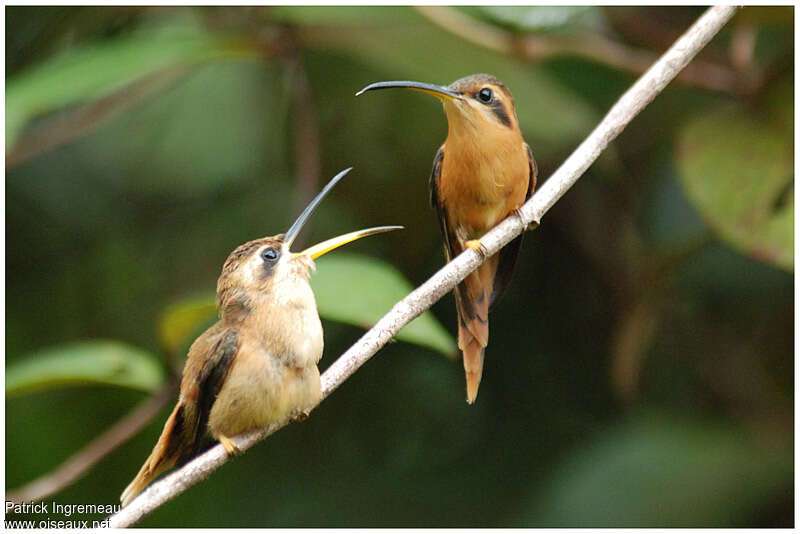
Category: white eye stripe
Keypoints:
(249, 269)
(253, 269)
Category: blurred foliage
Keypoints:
(184, 320)
(739, 173)
(92, 362)
(654, 471)
(567, 19)
(640, 367)
(379, 287)
(85, 73)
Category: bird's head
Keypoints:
(477, 102)
(266, 268)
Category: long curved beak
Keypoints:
(439, 91)
(326, 246)
(293, 230)
(335, 242)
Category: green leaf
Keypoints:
(181, 321)
(170, 144)
(90, 362)
(656, 471)
(91, 71)
(340, 15)
(738, 172)
(552, 117)
(543, 18)
(358, 290)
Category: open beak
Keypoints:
(335, 242)
(439, 91)
(326, 246)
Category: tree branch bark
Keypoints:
(627, 107)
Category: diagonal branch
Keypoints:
(77, 464)
(74, 123)
(626, 108)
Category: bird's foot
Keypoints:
(477, 246)
(518, 214)
(532, 226)
(230, 446)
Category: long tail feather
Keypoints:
(472, 303)
(164, 456)
(473, 363)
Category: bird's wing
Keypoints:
(468, 291)
(210, 360)
(507, 258)
(533, 169)
(183, 436)
(471, 304)
(447, 235)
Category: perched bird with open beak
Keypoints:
(258, 363)
(483, 172)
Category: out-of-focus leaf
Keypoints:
(358, 290)
(738, 173)
(659, 472)
(341, 15)
(553, 118)
(669, 219)
(91, 362)
(183, 319)
(542, 18)
(778, 104)
(92, 71)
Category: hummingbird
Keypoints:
(483, 172)
(258, 363)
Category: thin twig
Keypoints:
(71, 124)
(631, 103)
(597, 47)
(83, 120)
(80, 462)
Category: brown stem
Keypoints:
(81, 121)
(593, 46)
(80, 462)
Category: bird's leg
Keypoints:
(516, 211)
(230, 446)
(477, 246)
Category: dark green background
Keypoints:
(640, 369)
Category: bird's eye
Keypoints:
(270, 255)
(485, 95)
